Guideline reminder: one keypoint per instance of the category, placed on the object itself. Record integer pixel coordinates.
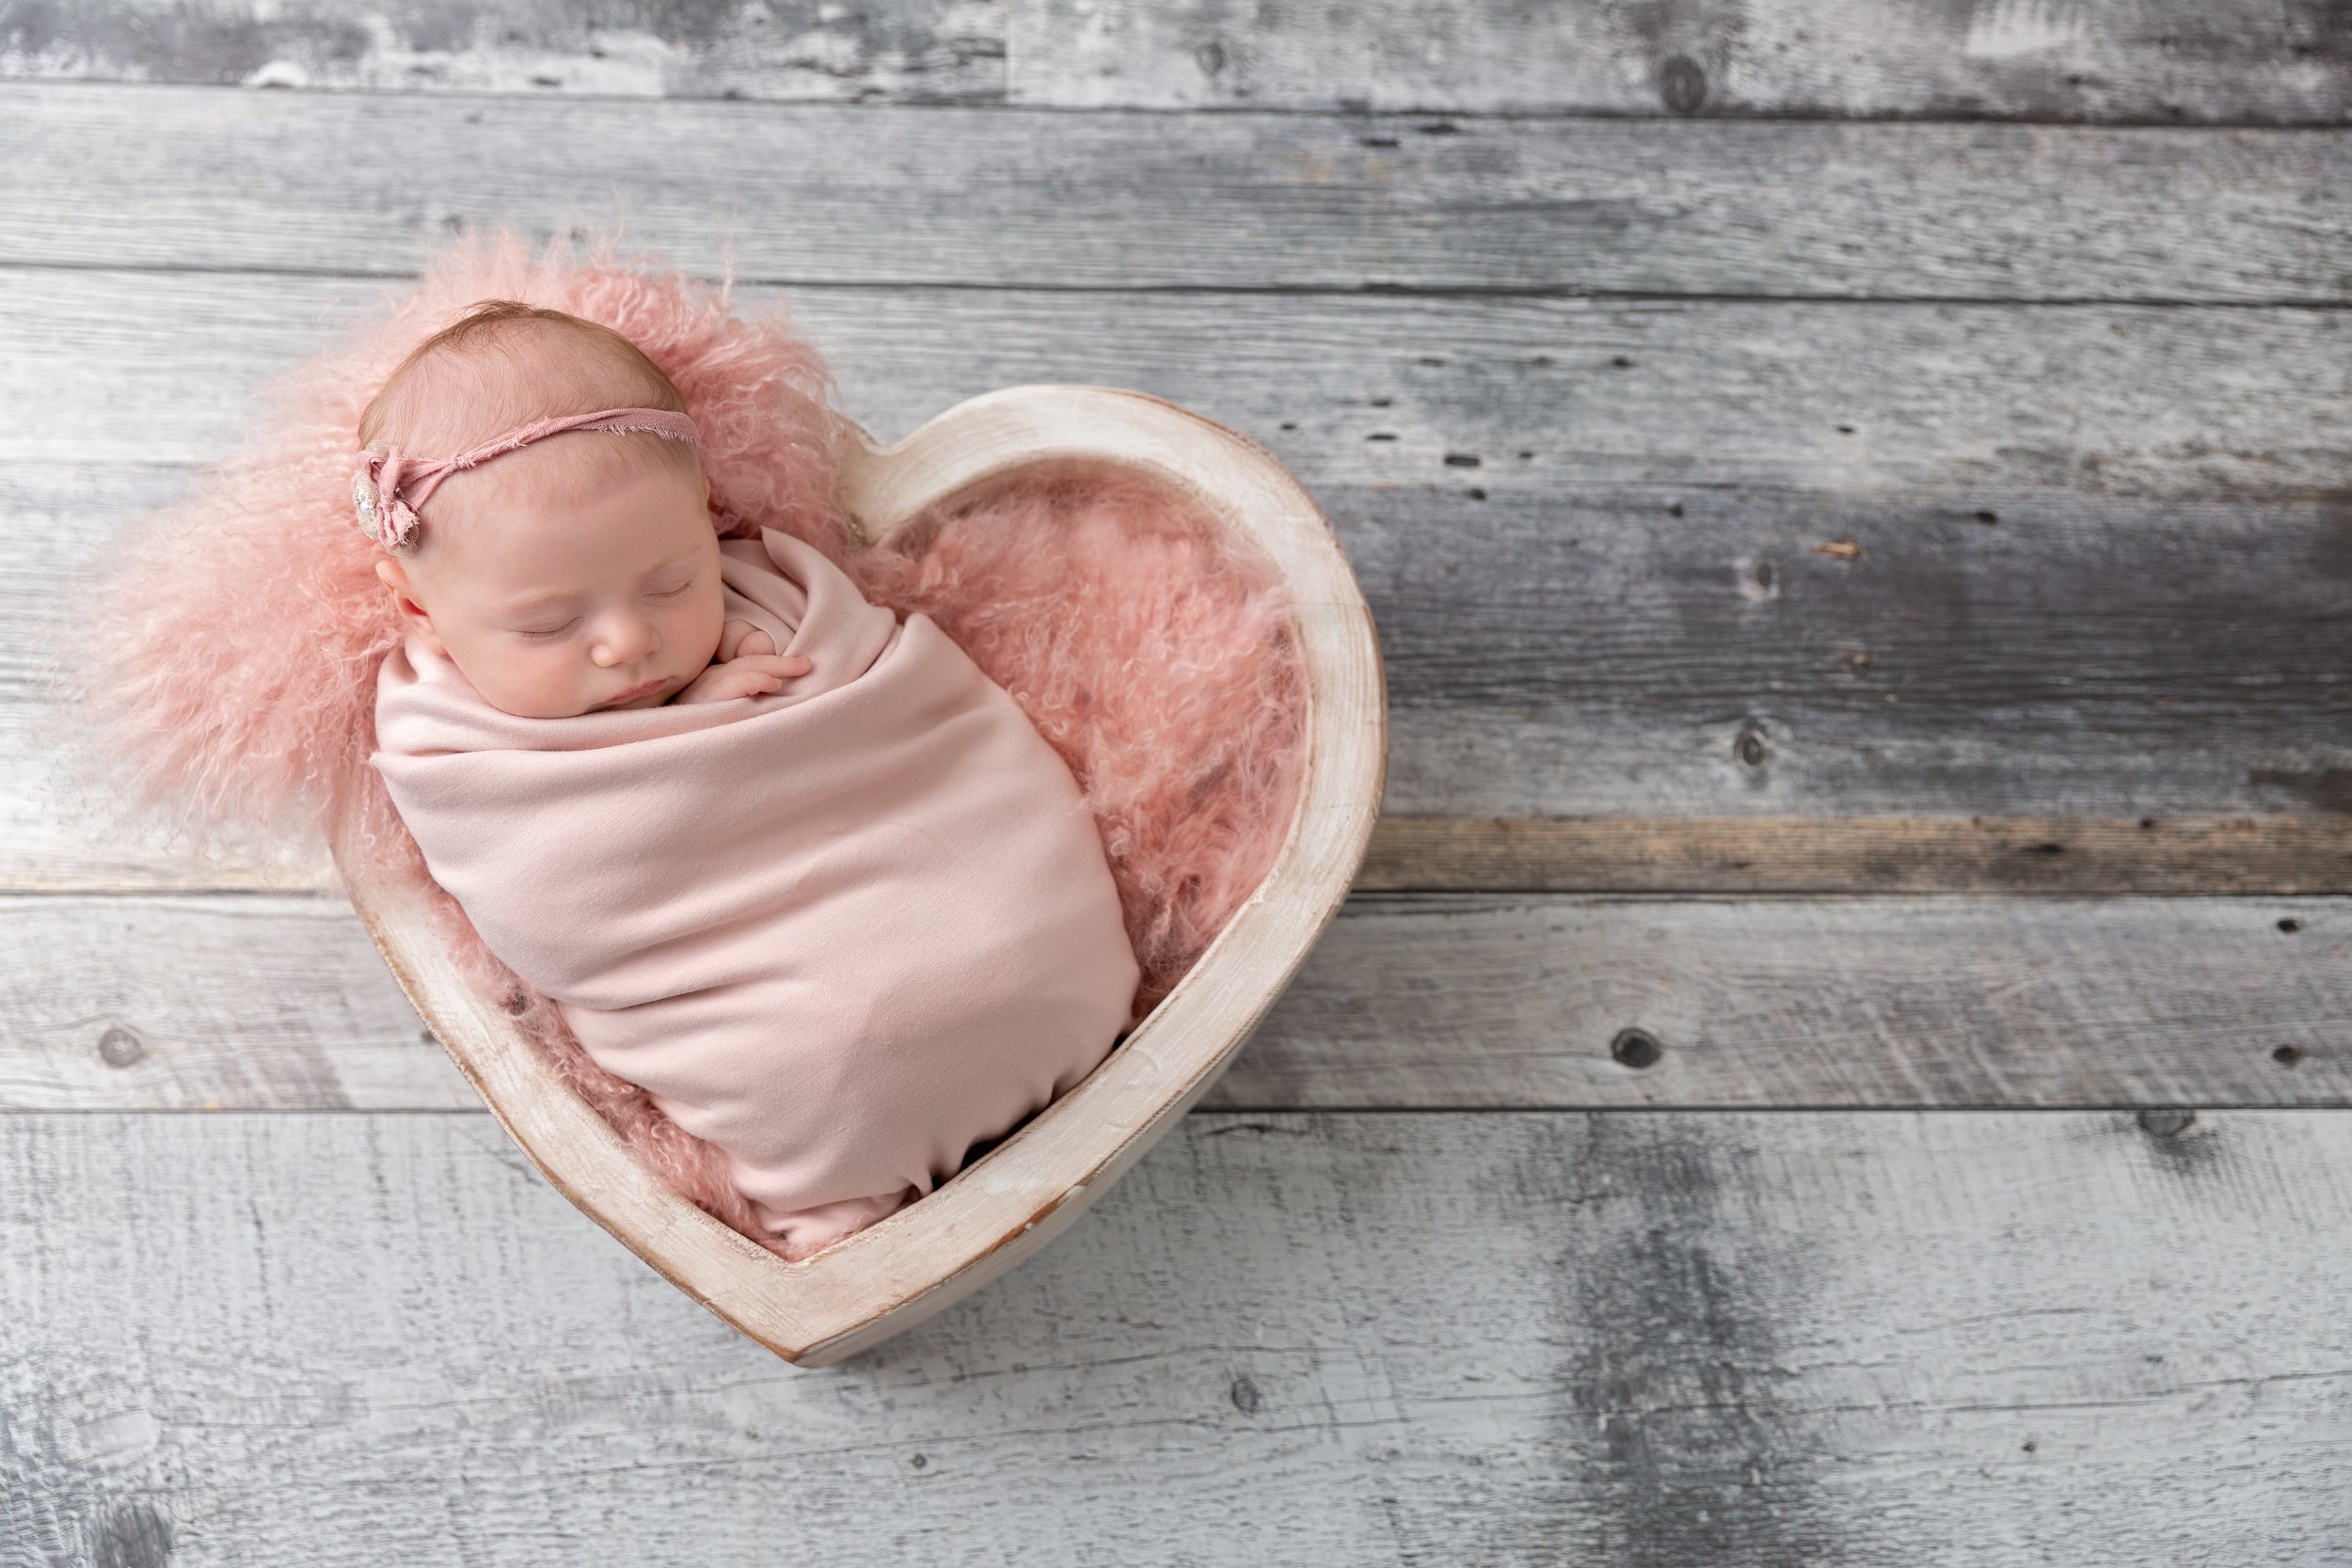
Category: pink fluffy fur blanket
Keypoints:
(227, 661)
(844, 931)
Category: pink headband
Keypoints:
(389, 489)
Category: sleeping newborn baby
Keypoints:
(794, 867)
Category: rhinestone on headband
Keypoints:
(388, 488)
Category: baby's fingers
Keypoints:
(776, 664)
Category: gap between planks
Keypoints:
(2075, 856)
(2069, 856)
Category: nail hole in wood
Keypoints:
(2287, 1055)
(1681, 85)
(2166, 1122)
(1636, 1049)
(1244, 1396)
(2289, 924)
(119, 1047)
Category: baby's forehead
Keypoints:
(529, 493)
(460, 394)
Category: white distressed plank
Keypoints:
(2169, 61)
(1707, 1340)
(272, 1001)
(296, 182)
(904, 51)
(2166, 60)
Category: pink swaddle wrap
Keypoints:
(842, 931)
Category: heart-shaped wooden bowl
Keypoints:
(1024, 1190)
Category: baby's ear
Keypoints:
(396, 581)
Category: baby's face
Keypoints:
(557, 588)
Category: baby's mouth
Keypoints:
(646, 689)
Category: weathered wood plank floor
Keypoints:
(1843, 1051)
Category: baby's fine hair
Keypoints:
(504, 363)
(529, 339)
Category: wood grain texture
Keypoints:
(2096, 560)
(2165, 60)
(2169, 61)
(1798, 404)
(901, 51)
(2084, 562)
(1870, 1342)
(2278, 854)
(277, 1002)
(298, 182)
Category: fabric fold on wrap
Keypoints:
(842, 931)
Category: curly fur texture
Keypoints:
(238, 632)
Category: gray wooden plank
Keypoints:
(1969, 405)
(278, 1001)
(2273, 854)
(1708, 1340)
(2097, 567)
(901, 51)
(2169, 61)
(105, 176)
(2162, 60)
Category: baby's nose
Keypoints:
(628, 645)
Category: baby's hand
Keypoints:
(750, 676)
(739, 636)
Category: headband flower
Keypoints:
(388, 488)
